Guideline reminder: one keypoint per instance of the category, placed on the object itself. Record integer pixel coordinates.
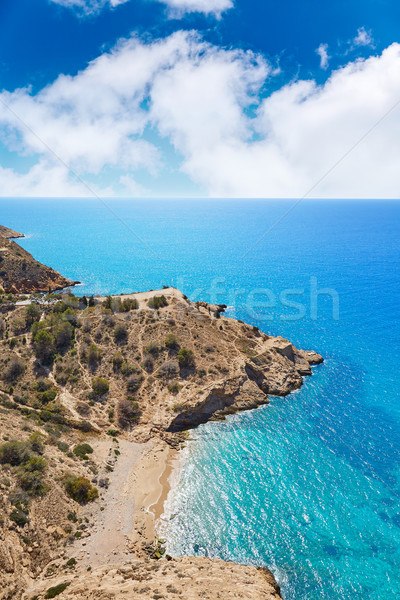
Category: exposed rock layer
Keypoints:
(187, 578)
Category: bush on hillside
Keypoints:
(118, 361)
(14, 369)
(129, 304)
(134, 382)
(14, 453)
(63, 335)
(121, 333)
(171, 342)
(128, 412)
(82, 450)
(100, 386)
(43, 345)
(80, 489)
(157, 302)
(185, 357)
(169, 370)
(30, 476)
(93, 356)
(32, 313)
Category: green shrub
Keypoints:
(33, 313)
(171, 342)
(42, 385)
(71, 562)
(19, 517)
(113, 432)
(100, 386)
(128, 412)
(63, 336)
(14, 369)
(70, 316)
(174, 387)
(48, 396)
(36, 442)
(30, 476)
(121, 333)
(85, 426)
(158, 302)
(93, 355)
(82, 450)
(185, 357)
(57, 590)
(63, 446)
(43, 345)
(127, 369)
(152, 349)
(80, 489)
(14, 453)
(129, 304)
(117, 361)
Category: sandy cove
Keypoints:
(125, 519)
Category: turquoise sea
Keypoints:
(310, 484)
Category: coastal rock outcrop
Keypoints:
(20, 273)
(188, 577)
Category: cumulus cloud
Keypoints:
(210, 103)
(297, 136)
(322, 52)
(177, 7)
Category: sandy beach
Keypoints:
(124, 520)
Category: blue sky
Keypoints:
(253, 68)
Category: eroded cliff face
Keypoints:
(20, 273)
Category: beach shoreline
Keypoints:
(126, 519)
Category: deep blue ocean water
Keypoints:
(310, 484)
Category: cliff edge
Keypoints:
(20, 273)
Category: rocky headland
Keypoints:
(96, 397)
(20, 273)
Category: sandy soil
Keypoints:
(143, 297)
(125, 517)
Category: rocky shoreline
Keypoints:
(125, 378)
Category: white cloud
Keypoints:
(302, 130)
(177, 7)
(363, 38)
(45, 179)
(322, 52)
(89, 7)
(210, 104)
(209, 7)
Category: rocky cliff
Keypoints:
(20, 273)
